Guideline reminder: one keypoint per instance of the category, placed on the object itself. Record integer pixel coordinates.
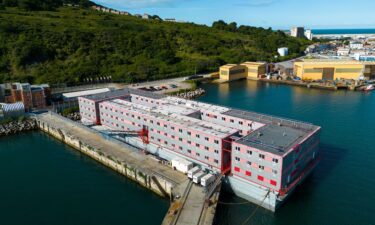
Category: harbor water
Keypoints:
(340, 191)
(45, 182)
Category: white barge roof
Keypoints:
(180, 120)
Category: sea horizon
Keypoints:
(344, 31)
(336, 31)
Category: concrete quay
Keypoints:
(191, 208)
(122, 158)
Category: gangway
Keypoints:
(214, 186)
(143, 133)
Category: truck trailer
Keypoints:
(193, 171)
(207, 180)
(197, 177)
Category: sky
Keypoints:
(278, 14)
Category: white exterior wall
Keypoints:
(196, 145)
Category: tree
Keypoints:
(220, 24)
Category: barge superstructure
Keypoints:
(262, 157)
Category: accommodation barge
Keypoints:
(262, 158)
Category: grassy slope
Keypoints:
(69, 45)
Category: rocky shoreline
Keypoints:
(15, 127)
(192, 94)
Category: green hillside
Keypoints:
(67, 45)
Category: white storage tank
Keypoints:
(181, 165)
(207, 180)
(193, 171)
(197, 177)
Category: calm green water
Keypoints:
(44, 182)
(341, 190)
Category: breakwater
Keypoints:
(17, 126)
(191, 94)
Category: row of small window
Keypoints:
(224, 119)
(166, 126)
(189, 151)
(88, 115)
(189, 142)
(118, 125)
(260, 178)
(90, 103)
(261, 156)
(88, 109)
(181, 139)
(248, 163)
(187, 132)
(146, 100)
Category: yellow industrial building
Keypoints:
(248, 70)
(320, 69)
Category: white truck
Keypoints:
(181, 165)
(207, 180)
(193, 171)
(197, 177)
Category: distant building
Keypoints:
(297, 32)
(320, 69)
(311, 49)
(73, 96)
(309, 34)
(343, 51)
(38, 97)
(283, 51)
(11, 110)
(285, 68)
(146, 16)
(170, 19)
(255, 70)
(2, 92)
(356, 45)
(21, 92)
(32, 96)
(247, 70)
(363, 57)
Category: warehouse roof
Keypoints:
(85, 93)
(176, 118)
(337, 61)
(122, 93)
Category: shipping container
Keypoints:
(181, 165)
